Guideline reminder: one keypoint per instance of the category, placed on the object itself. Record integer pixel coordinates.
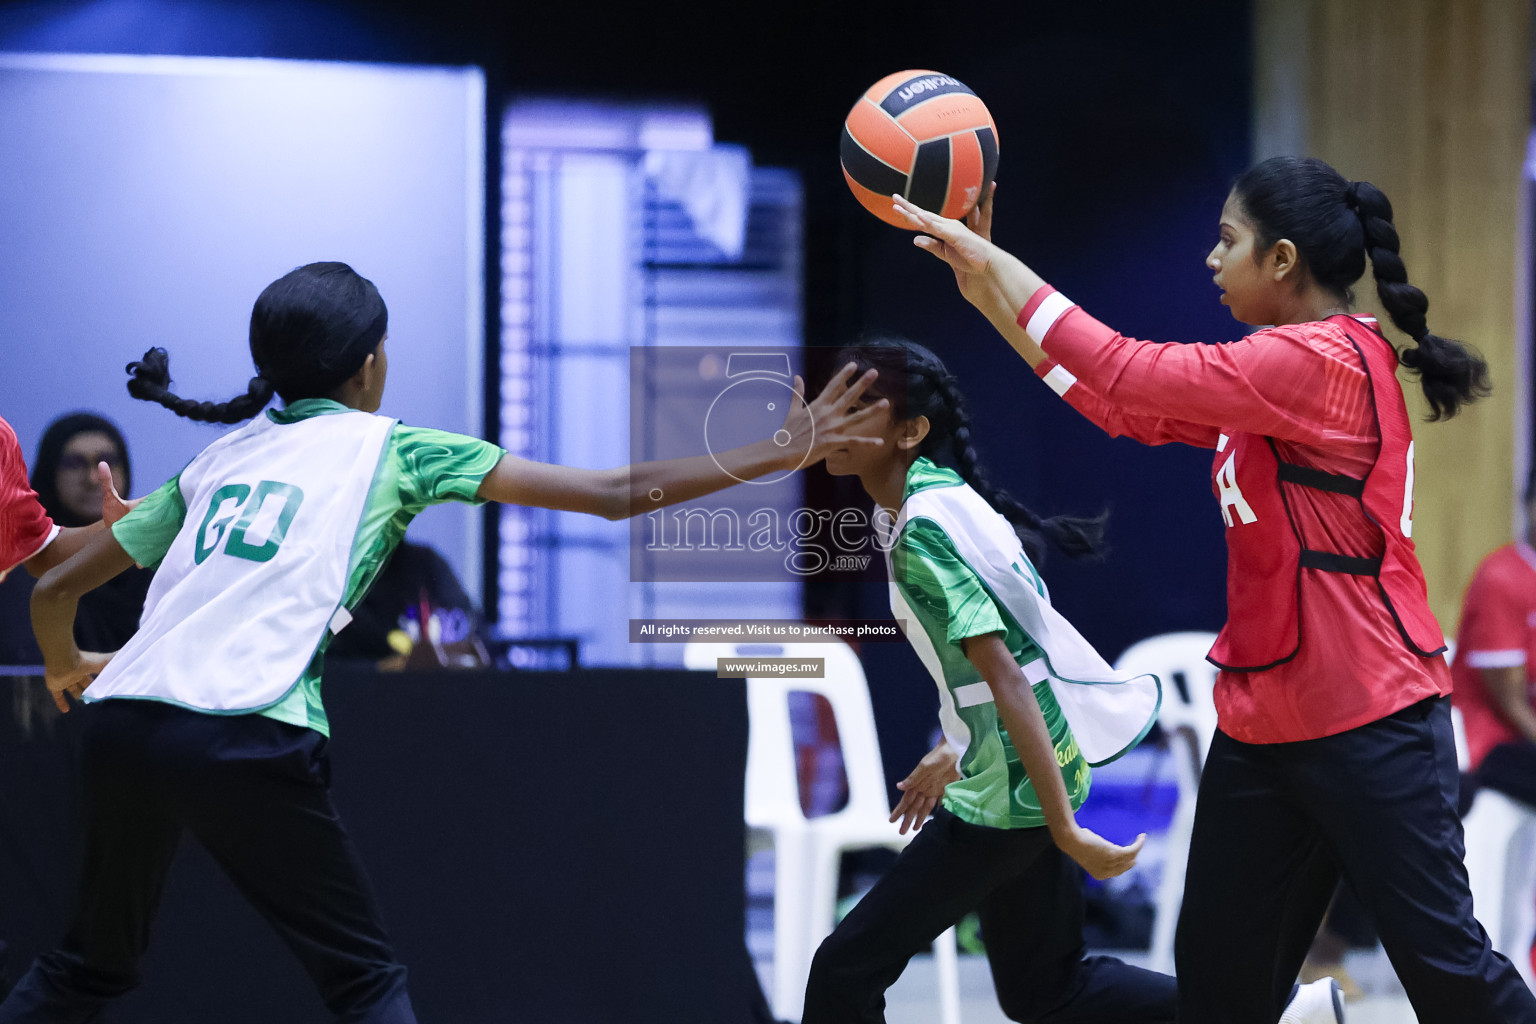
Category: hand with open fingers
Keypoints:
(833, 419)
(922, 790)
(113, 505)
(967, 252)
(1098, 856)
(72, 679)
(979, 219)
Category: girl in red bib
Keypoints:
(1334, 751)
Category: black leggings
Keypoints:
(1275, 826)
(255, 793)
(1030, 899)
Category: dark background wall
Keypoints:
(1121, 126)
(528, 865)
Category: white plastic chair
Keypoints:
(1459, 735)
(1188, 718)
(1500, 834)
(807, 851)
(1501, 868)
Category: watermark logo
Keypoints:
(803, 541)
(758, 637)
(757, 403)
(688, 401)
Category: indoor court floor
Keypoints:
(913, 999)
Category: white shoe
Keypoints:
(1321, 1002)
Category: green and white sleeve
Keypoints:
(435, 466)
(146, 533)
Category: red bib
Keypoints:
(1265, 556)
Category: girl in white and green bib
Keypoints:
(1026, 706)
(210, 719)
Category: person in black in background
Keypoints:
(416, 585)
(64, 477)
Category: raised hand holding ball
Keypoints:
(922, 135)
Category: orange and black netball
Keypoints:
(923, 135)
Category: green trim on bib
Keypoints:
(952, 603)
(1045, 655)
(305, 408)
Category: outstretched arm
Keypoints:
(992, 280)
(54, 600)
(1289, 382)
(996, 282)
(70, 540)
(831, 420)
(1021, 715)
(1115, 422)
(74, 538)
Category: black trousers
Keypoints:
(1510, 768)
(255, 793)
(1029, 897)
(1276, 824)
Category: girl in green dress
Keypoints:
(1027, 707)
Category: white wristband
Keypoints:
(1060, 379)
(1045, 316)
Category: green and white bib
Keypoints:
(958, 570)
(262, 544)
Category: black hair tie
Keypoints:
(1352, 196)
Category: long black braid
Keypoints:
(311, 329)
(150, 380)
(917, 383)
(1449, 372)
(1334, 224)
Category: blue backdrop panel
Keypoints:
(148, 200)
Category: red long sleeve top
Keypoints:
(25, 528)
(1304, 386)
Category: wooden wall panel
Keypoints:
(1430, 100)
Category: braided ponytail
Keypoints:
(150, 381)
(1449, 372)
(1073, 536)
(311, 330)
(1334, 224)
